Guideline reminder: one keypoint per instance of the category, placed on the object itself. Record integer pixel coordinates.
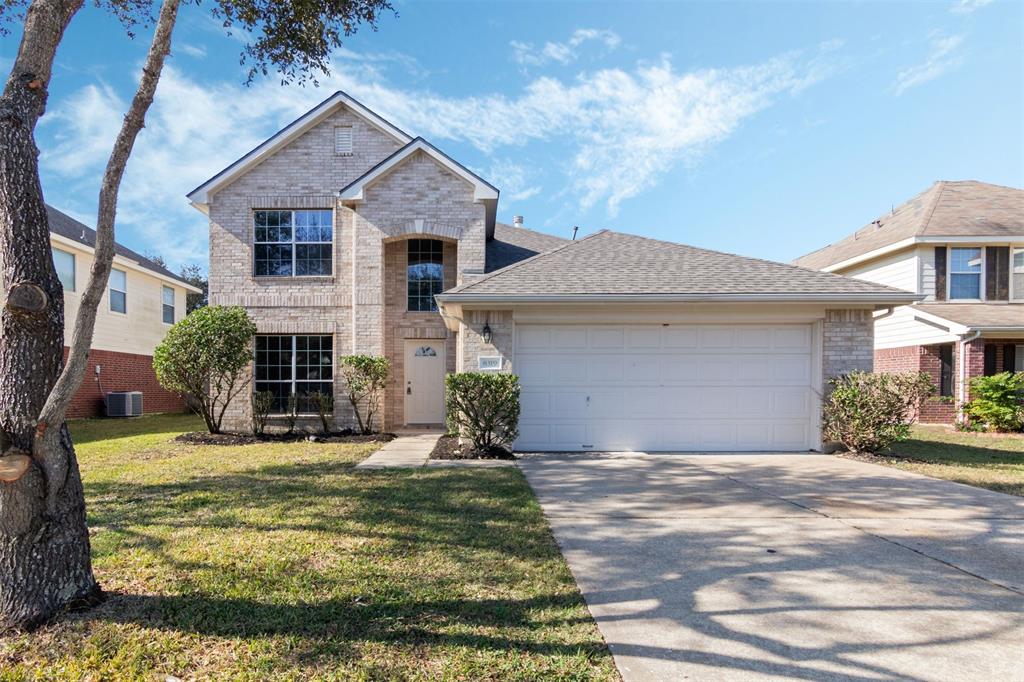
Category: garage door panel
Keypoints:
(653, 387)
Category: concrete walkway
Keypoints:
(796, 567)
(404, 452)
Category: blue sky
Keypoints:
(767, 129)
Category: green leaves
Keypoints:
(484, 407)
(867, 412)
(366, 377)
(998, 401)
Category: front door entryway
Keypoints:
(424, 381)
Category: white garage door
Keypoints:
(663, 388)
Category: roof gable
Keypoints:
(611, 265)
(482, 190)
(946, 209)
(200, 196)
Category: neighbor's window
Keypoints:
(302, 365)
(425, 273)
(946, 370)
(1018, 359)
(292, 243)
(64, 262)
(118, 291)
(1017, 275)
(168, 300)
(965, 273)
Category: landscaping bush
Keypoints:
(997, 401)
(867, 412)
(324, 406)
(483, 407)
(366, 377)
(205, 357)
(262, 402)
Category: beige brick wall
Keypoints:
(417, 199)
(471, 340)
(848, 338)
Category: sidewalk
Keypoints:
(403, 452)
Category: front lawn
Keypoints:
(279, 561)
(993, 461)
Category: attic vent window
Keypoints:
(343, 140)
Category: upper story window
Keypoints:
(425, 273)
(343, 140)
(118, 291)
(168, 305)
(965, 273)
(64, 262)
(292, 243)
(1017, 274)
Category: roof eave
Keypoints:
(872, 299)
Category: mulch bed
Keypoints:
(448, 447)
(347, 436)
(884, 458)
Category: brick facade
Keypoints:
(848, 338)
(121, 372)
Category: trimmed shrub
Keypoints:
(262, 402)
(324, 406)
(205, 357)
(291, 412)
(997, 402)
(483, 407)
(868, 412)
(366, 377)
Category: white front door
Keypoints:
(424, 381)
(666, 388)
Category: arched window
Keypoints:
(425, 273)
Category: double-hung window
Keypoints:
(965, 273)
(118, 291)
(168, 305)
(299, 365)
(425, 273)
(1017, 274)
(292, 243)
(64, 262)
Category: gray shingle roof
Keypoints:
(946, 209)
(68, 227)
(615, 264)
(978, 315)
(513, 244)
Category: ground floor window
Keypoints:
(1018, 358)
(294, 364)
(946, 370)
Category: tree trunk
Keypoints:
(44, 543)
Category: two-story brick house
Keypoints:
(343, 234)
(960, 245)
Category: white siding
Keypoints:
(926, 260)
(900, 329)
(898, 270)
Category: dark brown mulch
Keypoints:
(878, 458)
(347, 436)
(448, 448)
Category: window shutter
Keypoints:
(997, 273)
(343, 140)
(1009, 357)
(990, 359)
(940, 273)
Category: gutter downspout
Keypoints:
(889, 310)
(961, 391)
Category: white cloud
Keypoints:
(968, 6)
(195, 51)
(609, 135)
(563, 53)
(943, 55)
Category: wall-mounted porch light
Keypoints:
(486, 331)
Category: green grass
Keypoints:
(993, 461)
(281, 562)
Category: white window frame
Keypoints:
(1014, 294)
(74, 267)
(111, 290)
(981, 275)
(164, 305)
(294, 244)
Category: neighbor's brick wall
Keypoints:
(848, 338)
(121, 372)
(938, 411)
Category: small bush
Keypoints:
(366, 377)
(324, 406)
(262, 402)
(206, 356)
(997, 401)
(868, 412)
(291, 414)
(483, 407)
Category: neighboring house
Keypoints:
(142, 301)
(343, 234)
(960, 245)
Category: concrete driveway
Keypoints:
(736, 567)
